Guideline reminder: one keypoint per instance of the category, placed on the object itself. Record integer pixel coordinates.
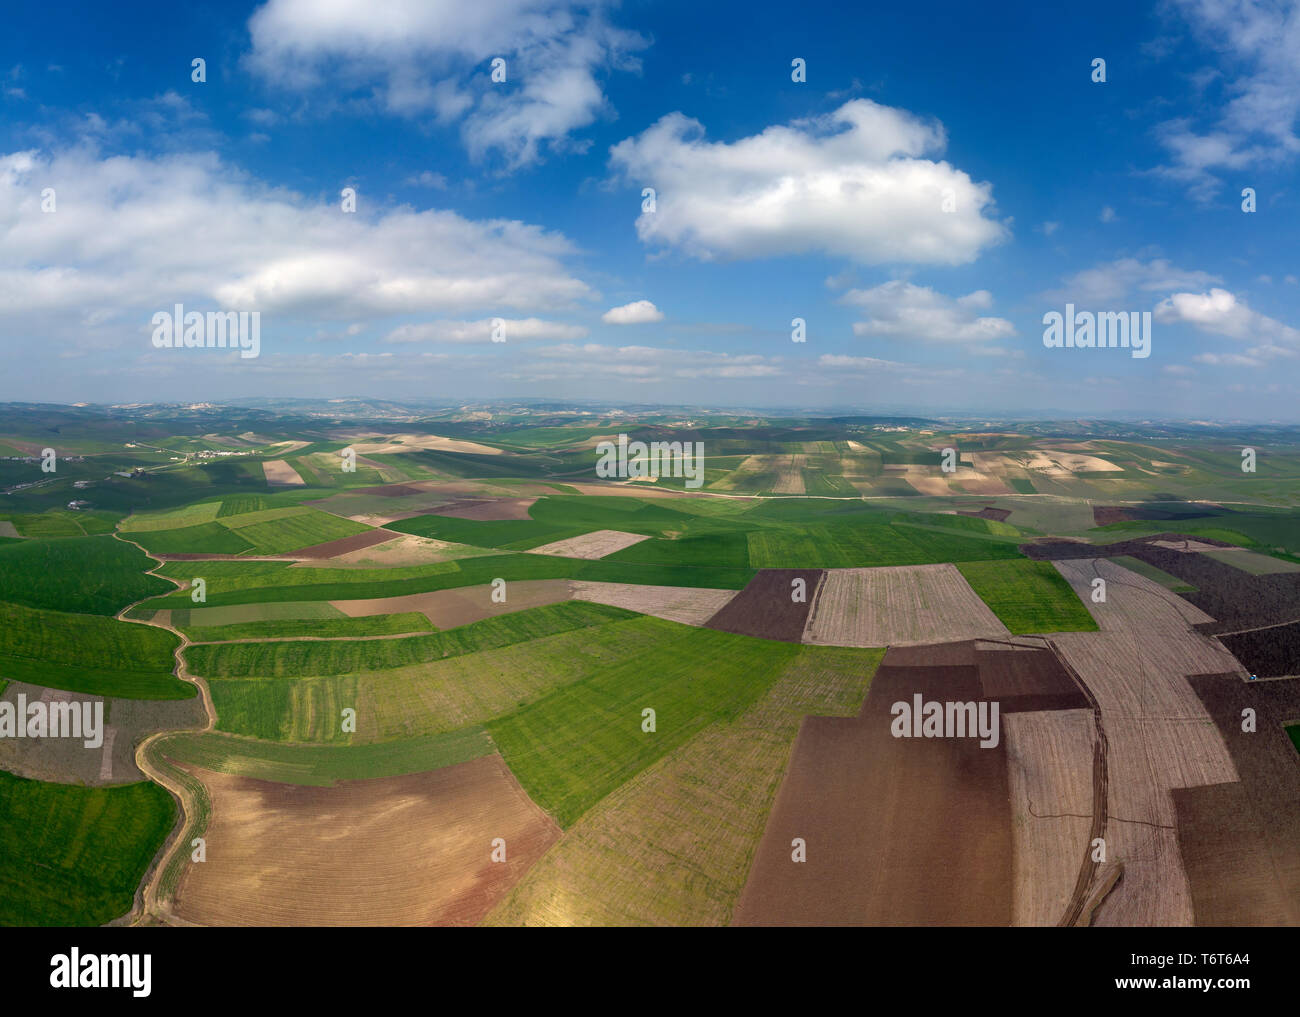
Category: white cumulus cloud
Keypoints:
(432, 58)
(855, 183)
(636, 313)
(135, 234)
(903, 310)
(1221, 312)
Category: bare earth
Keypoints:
(688, 605)
(590, 546)
(1186, 545)
(1241, 842)
(281, 474)
(790, 480)
(344, 545)
(486, 508)
(898, 605)
(398, 552)
(1049, 766)
(1159, 734)
(69, 761)
(370, 443)
(449, 608)
(412, 850)
(898, 831)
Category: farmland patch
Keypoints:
(411, 850)
(905, 604)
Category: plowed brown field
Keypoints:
(343, 545)
(591, 546)
(764, 608)
(898, 831)
(413, 850)
(1241, 841)
(487, 509)
(1049, 760)
(449, 608)
(688, 605)
(898, 605)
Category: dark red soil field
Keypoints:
(764, 608)
(898, 831)
(1269, 653)
(1226, 858)
(484, 509)
(1104, 515)
(1025, 680)
(1233, 598)
(334, 548)
(988, 512)
(1240, 842)
(390, 490)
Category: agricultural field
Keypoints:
(1027, 596)
(642, 686)
(88, 653)
(75, 855)
(899, 605)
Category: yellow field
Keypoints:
(673, 846)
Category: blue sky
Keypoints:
(944, 177)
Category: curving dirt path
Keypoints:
(149, 907)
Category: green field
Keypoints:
(431, 698)
(324, 765)
(793, 532)
(74, 855)
(1028, 596)
(1253, 562)
(1294, 732)
(207, 538)
(308, 657)
(235, 583)
(686, 797)
(321, 628)
(94, 575)
(264, 531)
(175, 519)
(61, 523)
(1266, 530)
(572, 747)
(87, 653)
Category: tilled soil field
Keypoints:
(1235, 599)
(486, 509)
(1269, 653)
(449, 608)
(278, 473)
(69, 761)
(591, 546)
(688, 605)
(1050, 767)
(765, 609)
(1025, 680)
(413, 850)
(1241, 841)
(1133, 602)
(898, 831)
(988, 512)
(334, 548)
(898, 604)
